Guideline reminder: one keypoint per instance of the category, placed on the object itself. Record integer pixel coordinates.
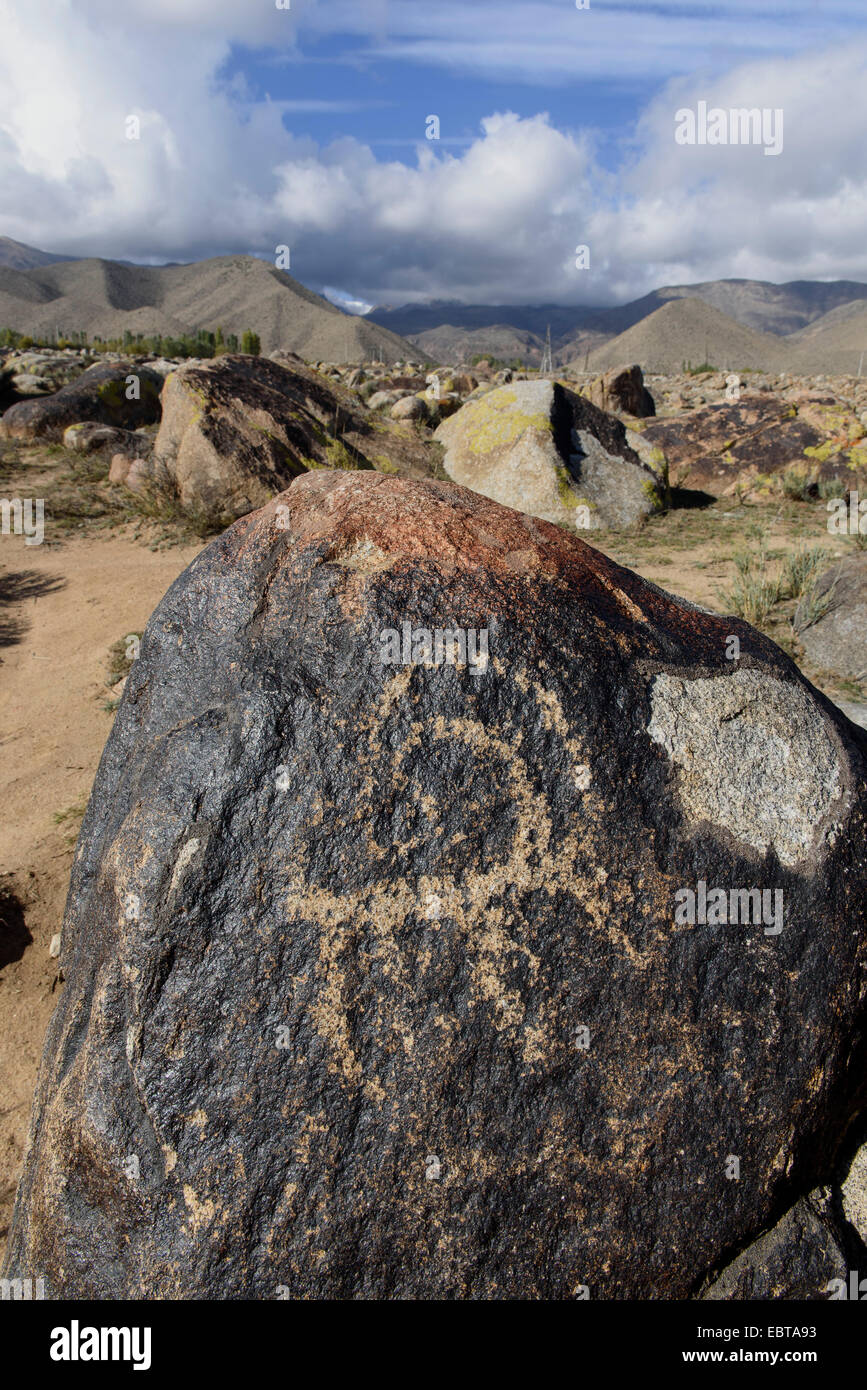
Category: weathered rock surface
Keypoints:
(854, 1196)
(26, 384)
(742, 442)
(854, 710)
(88, 436)
(134, 472)
(801, 1257)
(383, 400)
(622, 389)
(237, 429)
(99, 394)
(53, 369)
(409, 408)
(374, 983)
(537, 447)
(831, 621)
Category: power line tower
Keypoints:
(547, 365)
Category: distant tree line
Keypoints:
(201, 343)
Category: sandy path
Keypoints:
(78, 599)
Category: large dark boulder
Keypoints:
(379, 976)
(100, 394)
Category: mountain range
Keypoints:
(106, 298)
(807, 326)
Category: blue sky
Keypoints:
(305, 127)
(595, 68)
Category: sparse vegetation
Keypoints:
(755, 590)
(201, 342)
(831, 487)
(338, 455)
(795, 484)
(437, 454)
(814, 605)
(801, 568)
(71, 817)
(121, 655)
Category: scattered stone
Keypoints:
(88, 436)
(448, 404)
(55, 369)
(120, 466)
(464, 384)
(99, 394)
(798, 1259)
(409, 408)
(383, 400)
(26, 384)
(622, 389)
(140, 475)
(743, 443)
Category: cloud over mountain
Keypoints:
(216, 169)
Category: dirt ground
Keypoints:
(62, 606)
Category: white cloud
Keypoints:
(346, 301)
(495, 220)
(615, 40)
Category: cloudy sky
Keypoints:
(306, 126)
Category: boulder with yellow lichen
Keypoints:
(540, 448)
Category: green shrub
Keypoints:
(755, 590)
(338, 455)
(814, 605)
(831, 487)
(795, 484)
(801, 569)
